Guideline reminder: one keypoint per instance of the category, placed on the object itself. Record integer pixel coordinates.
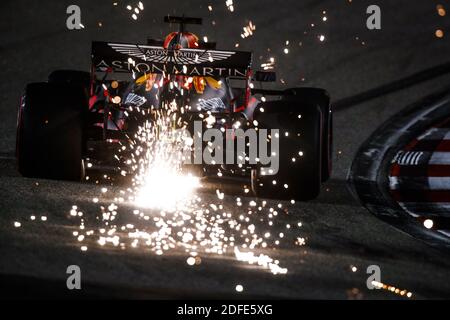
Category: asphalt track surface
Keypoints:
(340, 233)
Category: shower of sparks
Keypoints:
(163, 210)
(248, 30)
(159, 182)
(397, 291)
(261, 260)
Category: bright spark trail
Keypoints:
(170, 211)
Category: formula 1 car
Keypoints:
(78, 116)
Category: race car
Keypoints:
(78, 117)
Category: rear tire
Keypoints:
(299, 179)
(322, 99)
(50, 131)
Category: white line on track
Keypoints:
(419, 183)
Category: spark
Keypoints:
(136, 10)
(163, 187)
(116, 100)
(428, 223)
(397, 291)
(248, 30)
(269, 65)
(300, 241)
(262, 260)
(229, 4)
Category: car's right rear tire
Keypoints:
(300, 150)
(50, 131)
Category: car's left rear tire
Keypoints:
(50, 131)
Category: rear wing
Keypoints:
(129, 58)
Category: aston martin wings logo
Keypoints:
(161, 55)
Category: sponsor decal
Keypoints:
(213, 104)
(149, 67)
(161, 55)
